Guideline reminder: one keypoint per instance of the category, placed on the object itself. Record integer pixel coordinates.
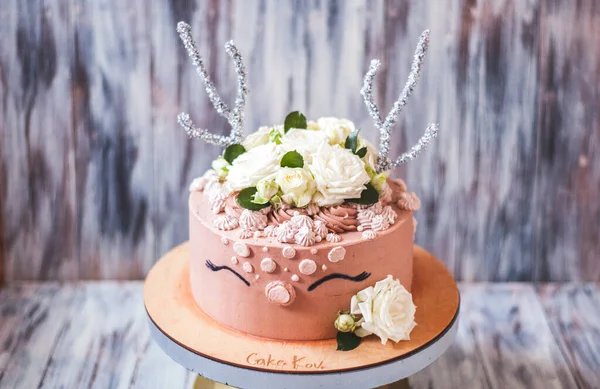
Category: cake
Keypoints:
(297, 232)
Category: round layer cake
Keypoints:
(247, 277)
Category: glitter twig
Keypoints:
(235, 117)
(383, 161)
(367, 93)
(430, 133)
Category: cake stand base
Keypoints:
(197, 342)
(205, 383)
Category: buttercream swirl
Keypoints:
(216, 199)
(225, 222)
(301, 221)
(245, 234)
(232, 208)
(252, 221)
(286, 232)
(397, 186)
(270, 230)
(369, 234)
(320, 229)
(339, 219)
(409, 201)
(305, 237)
(283, 214)
(333, 238)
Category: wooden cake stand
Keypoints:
(197, 342)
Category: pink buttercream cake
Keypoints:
(297, 232)
(242, 301)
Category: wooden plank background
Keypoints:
(94, 169)
(509, 336)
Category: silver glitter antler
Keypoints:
(235, 117)
(383, 161)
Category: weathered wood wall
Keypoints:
(94, 169)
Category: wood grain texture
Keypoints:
(573, 312)
(515, 343)
(94, 169)
(72, 336)
(459, 367)
(36, 141)
(95, 335)
(567, 175)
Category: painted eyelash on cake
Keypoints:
(214, 267)
(361, 277)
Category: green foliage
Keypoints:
(347, 341)
(246, 199)
(294, 120)
(232, 152)
(292, 159)
(367, 196)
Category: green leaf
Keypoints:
(275, 136)
(246, 197)
(233, 151)
(347, 341)
(292, 159)
(294, 120)
(352, 141)
(367, 196)
(361, 152)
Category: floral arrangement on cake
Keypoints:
(304, 182)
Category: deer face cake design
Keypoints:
(294, 220)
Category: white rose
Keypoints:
(370, 159)
(339, 175)
(296, 184)
(345, 323)
(310, 125)
(306, 142)
(261, 162)
(388, 311)
(379, 182)
(221, 166)
(257, 138)
(337, 130)
(265, 190)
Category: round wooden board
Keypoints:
(172, 310)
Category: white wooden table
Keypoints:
(95, 335)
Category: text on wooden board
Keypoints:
(296, 362)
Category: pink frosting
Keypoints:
(339, 219)
(266, 311)
(397, 186)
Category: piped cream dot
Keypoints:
(360, 228)
(369, 234)
(256, 277)
(248, 268)
(318, 238)
(307, 267)
(234, 260)
(314, 251)
(295, 278)
(336, 254)
(265, 249)
(286, 269)
(257, 234)
(224, 240)
(324, 267)
(289, 252)
(268, 265)
(241, 249)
